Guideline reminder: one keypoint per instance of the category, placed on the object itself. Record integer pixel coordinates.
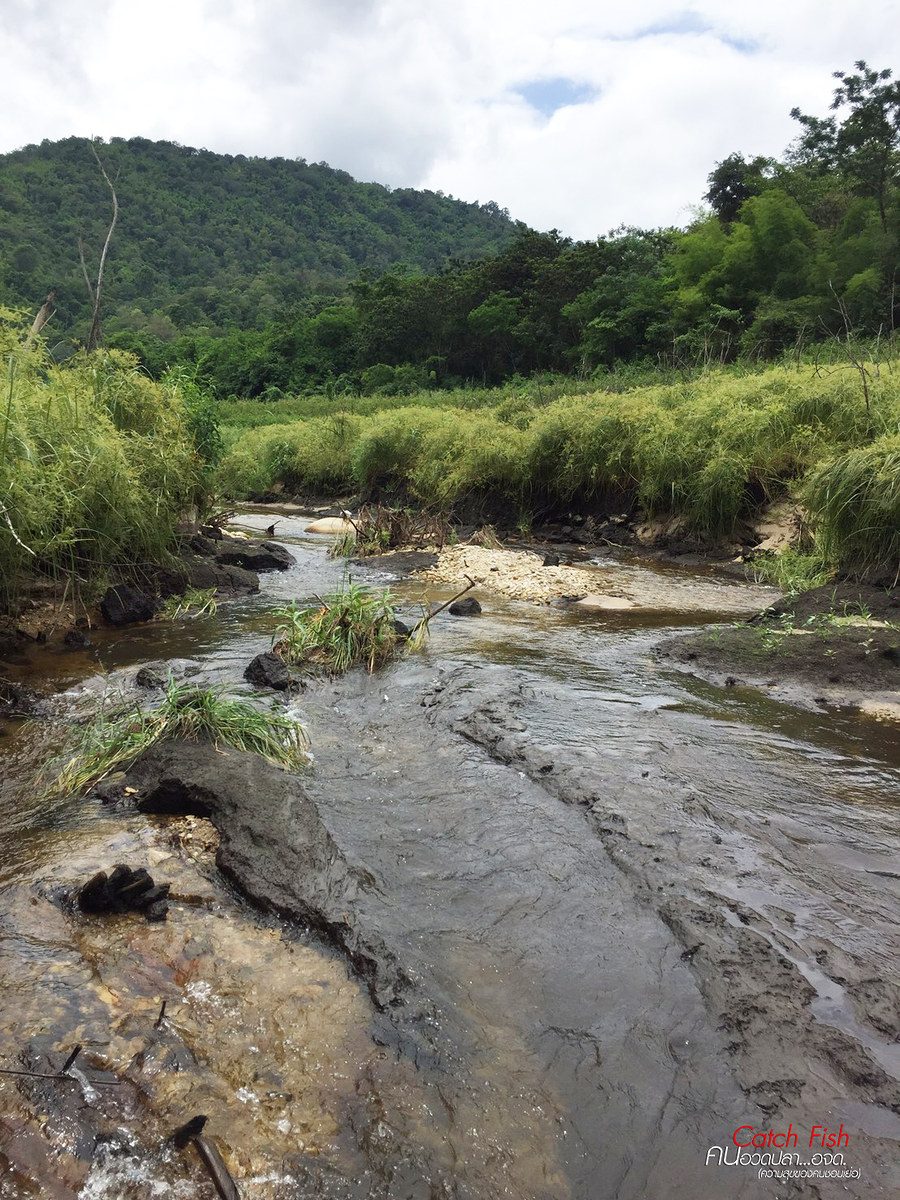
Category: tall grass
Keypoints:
(96, 464)
(854, 499)
(710, 450)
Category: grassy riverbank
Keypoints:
(97, 464)
(711, 451)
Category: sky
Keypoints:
(576, 115)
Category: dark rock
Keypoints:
(401, 630)
(206, 573)
(76, 639)
(273, 843)
(150, 677)
(124, 890)
(469, 607)
(110, 791)
(269, 670)
(95, 895)
(551, 560)
(124, 605)
(251, 554)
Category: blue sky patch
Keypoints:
(548, 95)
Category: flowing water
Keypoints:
(636, 911)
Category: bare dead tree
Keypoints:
(95, 336)
(45, 312)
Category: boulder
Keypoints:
(125, 605)
(468, 607)
(150, 677)
(273, 844)
(252, 555)
(76, 639)
(333, 525)
(205, 573)
(269, 670)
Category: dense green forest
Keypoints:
(270, 277)
(207, 243)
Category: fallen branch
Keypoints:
(441, 607)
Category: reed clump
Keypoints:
(353, 626)
(114, 740)
(97, 464)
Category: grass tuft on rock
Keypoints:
(354, 626)
(113, 741)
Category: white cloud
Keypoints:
(418, 93)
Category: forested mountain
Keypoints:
(210, 242)
(265, 277)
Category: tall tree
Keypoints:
(864, 145)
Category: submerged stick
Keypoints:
(191, 1131)
(218, 1172)
(64, 1068)
(61, 1078)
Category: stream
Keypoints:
(633, 914)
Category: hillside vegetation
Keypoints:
(211, 242)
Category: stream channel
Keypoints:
(630, 913)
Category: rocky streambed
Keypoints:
(545, 918)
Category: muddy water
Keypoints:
(637, 913)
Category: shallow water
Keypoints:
(575, 1048)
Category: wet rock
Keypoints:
(17, 700)
(551, 560)
(124, 890)
(231, 580)
(402, 630)
(269, 670)
(273, 844)
(252, 555)
(150, 677)
(125, 605)
(469, 607)
(76, 639)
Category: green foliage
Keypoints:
(97, 464)
(854, 502)
(195, 602)
(354, 626)
(207, 242)
(113, 741)
(711, 451)
(793, 571)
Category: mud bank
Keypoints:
(835, 646)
